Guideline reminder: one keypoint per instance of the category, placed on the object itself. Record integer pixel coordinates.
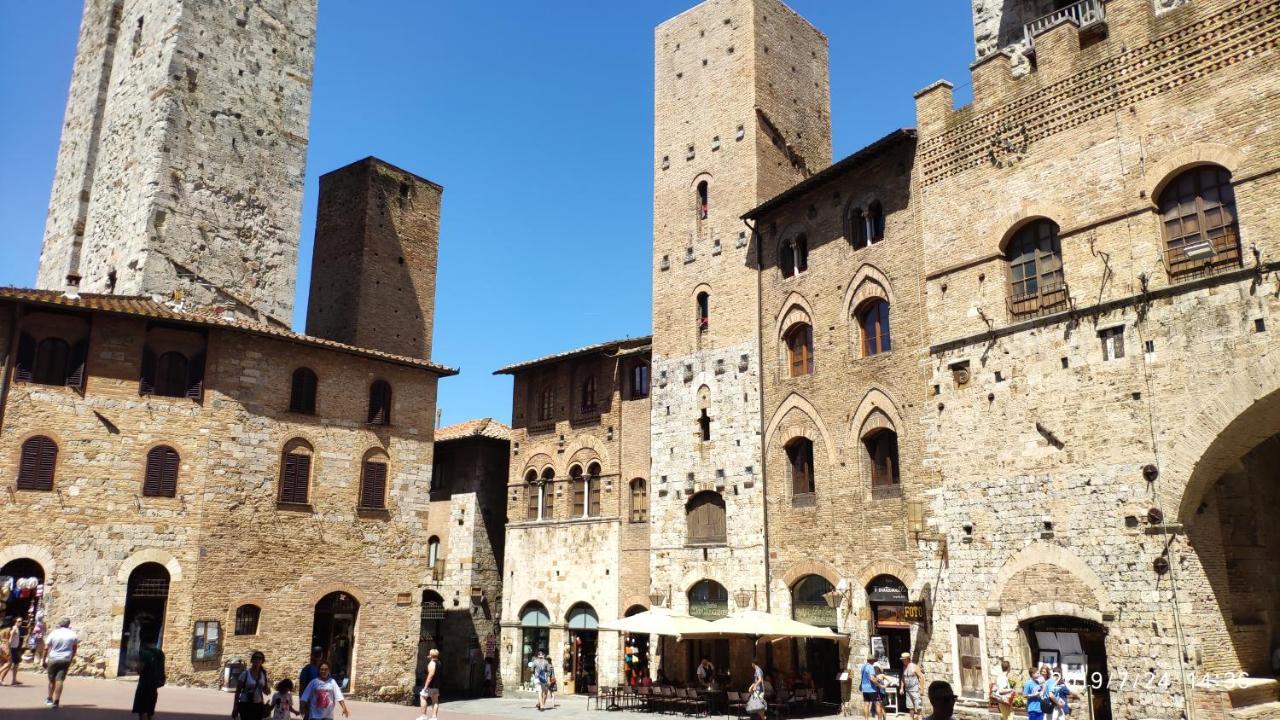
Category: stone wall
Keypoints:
(183, 153)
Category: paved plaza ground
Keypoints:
(95, 699)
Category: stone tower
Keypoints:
(373, 273)
(184, 143)
(742, 112)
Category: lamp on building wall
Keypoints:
(656, 597)
(834, 598)
(915, 516)
(477, 595)
(744, 597)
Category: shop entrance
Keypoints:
(584, 637)
(23, 579)
(535, 636)
(429, 622)
(144, 603)
(890, 630)
(1078, 650)
(636, 652)
(334, 629)
(819, 658)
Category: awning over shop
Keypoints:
(657, 621)
(757, 624)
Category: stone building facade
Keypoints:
(183, 151)
(577, 545)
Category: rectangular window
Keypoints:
(206, 641)
(579, 497)
(1112, 343)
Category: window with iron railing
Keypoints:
(1198, 217)
(1036, 279)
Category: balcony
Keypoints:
(1086, 14)
(1048, 299)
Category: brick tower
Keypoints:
(373, 274)
(742, 112)
(184, 143)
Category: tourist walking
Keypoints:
(870, 688)
(706, 673)
(756, 704)
(14, 648)
(942, 701)
(1002, 691)
(150, 679)
(912, 681)
(310, 672)
(430, 692)
(251, 690)
(59, 650)
(543, 675)
(282, 701)
(322, 695)
(1032, 690)
(488, 678)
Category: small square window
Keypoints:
(1260, 325)
(1149, 346)
(1112, 343)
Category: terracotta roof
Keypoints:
(833, 171)
(141, 306)
(628, 344)
(483, 427)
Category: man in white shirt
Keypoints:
(59, 650)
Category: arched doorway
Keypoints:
(890, 629)
(708, 600)
(584, 637)
(819, 657)
(146, 596)
(636, 651)
(334, 629)
(535, 636)
(25, 577)
(429, 624)
(1077, 649)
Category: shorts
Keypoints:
(1035, 715)
(431, 695)
(913, 699)
(870, 697)
(15, 655)
(58, 670)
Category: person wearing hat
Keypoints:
(59, 650)
(912, 681)
(942, 699)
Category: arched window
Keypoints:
(800, 465)
(704, 516)
(702, 200)
(588, 398)
(581, 488)
(295, 472)
(52, 361)
(639, 501)
(52, 358)
(593, 489)
(799, 341)
(1035, 268)
(532, 494)
(882, 451)
(708, 600)
(875, 222)
(535, 636)
(873, 324)
(639, 380)
(1198, 213)
(247, 619)
(809, 603)
(433, 551)
(302, 393)
(546, 403)
(704, 311)
(794, 256)
(380, 403)
(546, 508)
(35, 468)
(855, 227)
(704, 425)
(161, 476)
(373, 481)
(171, 374)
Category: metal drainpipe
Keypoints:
(764, 493)
(8, 363)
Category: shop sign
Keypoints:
(709, 610)
(900, 616)
(820, 615)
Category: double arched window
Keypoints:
(532, 496)
(793, 256)
(380, 403)
(161, 476)
(586, 490)
(864, 228)
(1198, 216)
(704, 517)
(799, 340)
(873, 327)
(1036, 281)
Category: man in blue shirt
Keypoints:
(1031, 690)
(870, 688)
(310, 672)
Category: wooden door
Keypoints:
(970, 651)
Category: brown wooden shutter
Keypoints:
(75, 371)
(373, 488)
(147, 375)
(195, 378)
(161, 477)
(169, 473)
(36, 465)
(579, 495)
(593, 493)
(531, 501)
(24, 368)
(380, 403)
(295, 475)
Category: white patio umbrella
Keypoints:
(658, 621)
(758, 624)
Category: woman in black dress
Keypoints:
(150, 680)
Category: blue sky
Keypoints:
(537, 117)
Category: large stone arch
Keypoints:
(805, 568)
(1161, 172)
(1043, 553)
(876, 568)
(154, 555)
(33, 552)
(876, 399)
(797, 402)
(795, 308)
(319, 591)
(592, 444)
(1006, 226)
(869, 281)
(1059, 608)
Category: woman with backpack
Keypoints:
(252, 688)
(150, 680)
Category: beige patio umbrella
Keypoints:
(658, 621)
(758, 624)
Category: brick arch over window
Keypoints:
(1042, 553)
(319, 593)
(33, 552)
(867, 283)
(1004, 227)
(876, 568)
(588, 448)
(1159, 174)
(810, 567)
(796, 402)
(876, 400)
(796, 308)
(150, 555)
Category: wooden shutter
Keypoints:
(715, 522)
(579, 495)
(75, 370)
(295, 476)
(35, 468)
(147, 375)
(548, 499)
(161, 477)
(24, 368)
(373, 486)
(531, 501)
(302, 396)
(195, 378)
(380, 403)
(970, 652)
(593, 496)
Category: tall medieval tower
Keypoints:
(184, 143)
(742, 112)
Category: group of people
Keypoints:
(54, 652)
(875, 686)
(1046, 694)
(321, 693)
